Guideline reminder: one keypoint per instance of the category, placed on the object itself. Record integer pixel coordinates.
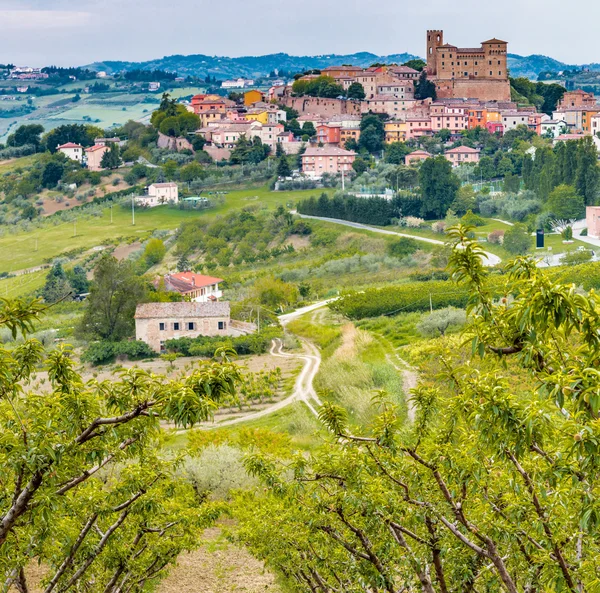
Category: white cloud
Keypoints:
(19, 20)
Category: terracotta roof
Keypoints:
(169, 184)
(182, 310)
(327, 151)
(462, 149)
(418, 153)
(494, 40)
(96, 147)
(189, 281)
(70, 145)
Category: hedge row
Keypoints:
(585, 275)
(105, 352)
(401, 298)
(206, 346)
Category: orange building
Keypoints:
(328, 134)
(347, 134)
(253, 96)
(577, 98)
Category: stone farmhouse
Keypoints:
(155, 323)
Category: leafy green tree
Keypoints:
(356, 91)
(111, 159)
(321, 86)
(395, 153)
(52, 173)
(439, 322)
(78, 280)
(77, 133)
(114, 295)
(517, 240)
(154, 252)
(26, 134)
(496, 495)
(565, 203)
(275, 294)
(416, 64)
(283, 167)
(192, 171)
(439, 187)
(359, 165)
(183, 264)
(86, 490)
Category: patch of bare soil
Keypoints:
(218, 567)
(124, 251)
(298, 242)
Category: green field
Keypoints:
(107, 114)
(18, 251)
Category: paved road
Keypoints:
(490, 258)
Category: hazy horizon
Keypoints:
(62, 32)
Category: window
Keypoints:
(191, 325)
(222, 325)
(491, 73)
(162, 346)
(176, 326)
(161, 326)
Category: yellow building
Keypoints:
(395, 131)
(253, 96)
(260, 115)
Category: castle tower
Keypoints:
(434, 40)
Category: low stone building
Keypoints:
(155, 323)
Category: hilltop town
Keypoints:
(319, 330)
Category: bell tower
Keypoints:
(434, 40)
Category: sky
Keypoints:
(78, 32)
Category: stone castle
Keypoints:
(468, 73)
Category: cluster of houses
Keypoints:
(90, 157)
(200, 314)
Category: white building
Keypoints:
(556, 127)
(513, 119)
(158, 194)
(194, 287)
(71, 150)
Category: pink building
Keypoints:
(462, 154)
(417, 127)
(444, 117)
(94, 155)
(495, 127)
(326, 159)
(416, 157)
(592, 216)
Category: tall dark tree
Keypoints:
(424, 88)
(283, 167)
(26, 134)
(438, 185)
(57, 284)
(114, 295)
(111, 159)
(586, 175)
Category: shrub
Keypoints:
(472, 219)
(439, 227)
(439, 322)
(104, 352)
(496, 237)
(402, 247)
(406, 298)
(413, 222)
(517, 240)
(573, 258)
(567, 233)
(584, 232)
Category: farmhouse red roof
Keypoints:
(189, 281)
(70, 145)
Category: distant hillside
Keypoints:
(247, 66)
(254, 66)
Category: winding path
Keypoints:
(490, 258)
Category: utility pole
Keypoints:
(430, 304)
(343, 180)
(132, 211)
